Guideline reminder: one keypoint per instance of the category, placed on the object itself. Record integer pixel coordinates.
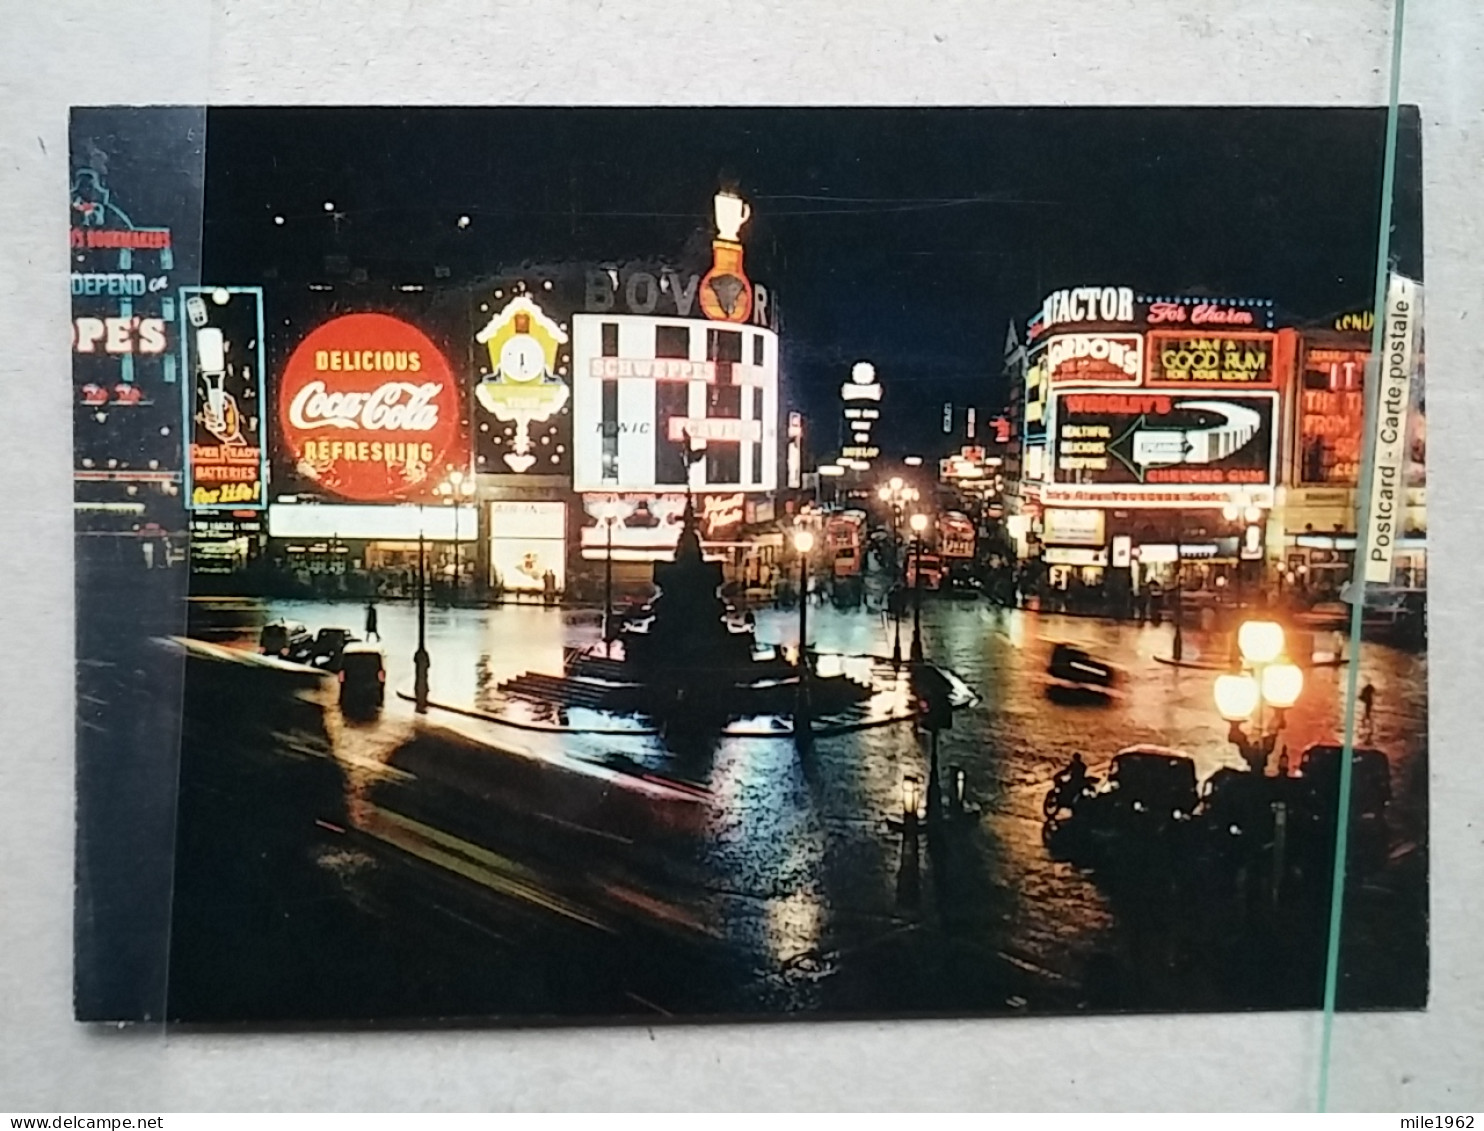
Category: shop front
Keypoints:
(1320, 508)
(624, 533)
(364, 551)
(527, 549)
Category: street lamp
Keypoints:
(1269, 679)
(911, 801)
(420, 659)
(896, 493)
(1177, 648)
(457, 488)
(918, 523)
(1243, 513)
(1261, 641)
(608, 520)
(1281, 684)
(804, 544)
(1237, 694)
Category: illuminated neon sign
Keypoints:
(222, 357)
(726, 292)
(721, 429)
(525, 386)
(1186, 359)
(1095, 359)
(1361, 321)
(652, 369)
(1087, 304)
(368, 408)
(1111, 439)
(119, 335)
(1195, 311)
(862, 385)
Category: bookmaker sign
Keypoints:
(368, 408)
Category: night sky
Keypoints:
(906, 236)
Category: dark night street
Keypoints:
(413, 868)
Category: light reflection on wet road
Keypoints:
(819, 899)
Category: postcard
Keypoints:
(583, 564)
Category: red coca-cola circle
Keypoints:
(369, 410)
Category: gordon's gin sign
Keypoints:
(369, 409)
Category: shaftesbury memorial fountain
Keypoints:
(693, 671)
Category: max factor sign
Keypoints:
(1388, 485)
(1087, 304)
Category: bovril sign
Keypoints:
(368, 409)
(662, 292)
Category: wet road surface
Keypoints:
(450, 866)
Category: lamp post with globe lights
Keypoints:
(918, 522)
(1268, 679)
(457, 489)
(1244, 515)
(804, 545)
(896, 494)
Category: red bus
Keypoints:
(955, 536)
(931, 567)
(845, 543)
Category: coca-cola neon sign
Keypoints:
(395, 405)
(368, 409)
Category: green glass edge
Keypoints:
(1358, 583)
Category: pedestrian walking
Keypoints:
(1367, 699)
(371, 621)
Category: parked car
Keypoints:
(1146, 803)
(1370, 796)
(362, 679)
(1319, 767)
(1155, 784)
(964, 585)
(324, 651)
(283, 639)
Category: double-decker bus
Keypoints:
(845, 543)
(955, 538)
